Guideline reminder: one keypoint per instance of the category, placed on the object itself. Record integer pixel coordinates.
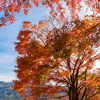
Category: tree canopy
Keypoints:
(56, 56)
(10, 7)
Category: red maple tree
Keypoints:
(58, 56)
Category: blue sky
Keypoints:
(8, 36)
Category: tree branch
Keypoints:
(37, 35)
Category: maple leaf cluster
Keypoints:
(58, 57)
(10, 7)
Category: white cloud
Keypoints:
(7, 78)
(97, 64)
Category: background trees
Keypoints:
(63, 55)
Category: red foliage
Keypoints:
(63, 55)
(10, 7)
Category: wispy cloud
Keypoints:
(7, 58)
(7, 78)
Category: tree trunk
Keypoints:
(73, 93)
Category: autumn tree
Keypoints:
(58, 56)
(8, 8)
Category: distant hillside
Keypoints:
(6, 91)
